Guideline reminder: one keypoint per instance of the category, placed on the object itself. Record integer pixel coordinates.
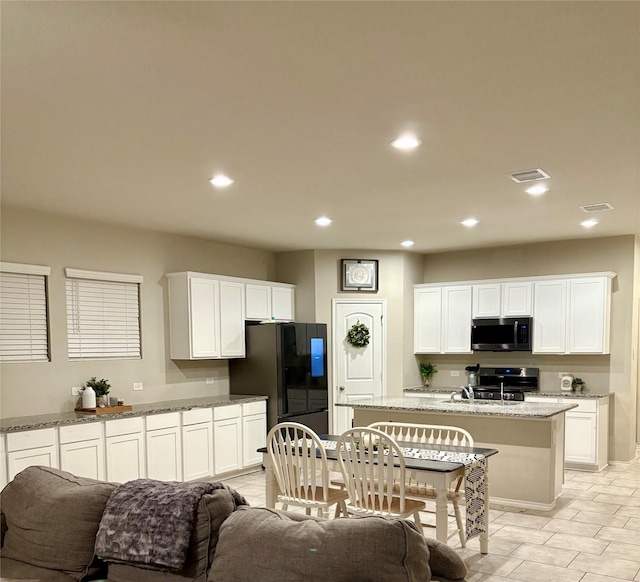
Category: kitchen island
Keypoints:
(527, 472)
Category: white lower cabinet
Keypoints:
(197, 443)
(586, 433)
(254, 432)
(32, 447)
(227, 438)
(164, 447)
(125, 452)
(82, 450)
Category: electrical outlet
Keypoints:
(210, 380)
(455, 372)
(76, 391)
(137, 385)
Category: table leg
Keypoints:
(442, 515)
(484, 537)
(270, 483)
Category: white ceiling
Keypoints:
(122, 111)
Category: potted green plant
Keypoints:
(577, 384)
(427, 371)
(101, 388)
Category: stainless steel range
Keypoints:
(505, 383)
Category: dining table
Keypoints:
(423, 462)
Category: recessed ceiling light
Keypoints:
(537, 190)
(407, 243)
(323, 221)
(469, 222)
(407, 141)
(221, 181)
(589, 223)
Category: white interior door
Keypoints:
(358, 372)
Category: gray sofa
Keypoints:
(50, 519)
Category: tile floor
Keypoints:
(593, 534)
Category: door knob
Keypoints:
(341, 388)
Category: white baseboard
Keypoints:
(519, 504)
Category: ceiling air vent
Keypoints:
(529, 175)
(597, 207)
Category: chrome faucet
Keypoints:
(468, 391)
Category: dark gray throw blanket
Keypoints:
(148, 522)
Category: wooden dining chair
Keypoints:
(431, 434)
(371, 462)
(300, 466)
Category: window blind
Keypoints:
(103, 318)
(24, 330)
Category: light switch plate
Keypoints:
(137, 385)
(76, 391)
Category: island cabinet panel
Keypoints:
(125, 450)
(442, 319)
(82, 450)
(164, 447)
(197, 443)
(33, 447)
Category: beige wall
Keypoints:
(398, 272)
(299, 268)
(616, 372)
(44, 239)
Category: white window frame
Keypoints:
(91, 334)
(24, 313)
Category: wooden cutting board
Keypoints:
(106, 409)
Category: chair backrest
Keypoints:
(367, 457)
(430, 434)
(298, 458)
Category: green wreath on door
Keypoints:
(358, 335)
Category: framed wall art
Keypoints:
(359, 275)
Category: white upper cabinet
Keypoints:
(588, 318)
(550, 319)
(502, 299)
(269, 301)
(206, 317)
(442, 319)
(572, 315)
(427, 329)
(232, 301)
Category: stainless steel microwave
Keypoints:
(505, 334)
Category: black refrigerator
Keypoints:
(288, 363)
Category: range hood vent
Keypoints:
(597, 207)
(529, 175)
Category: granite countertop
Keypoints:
(547, 393)
(20, 423)
(514, 410)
